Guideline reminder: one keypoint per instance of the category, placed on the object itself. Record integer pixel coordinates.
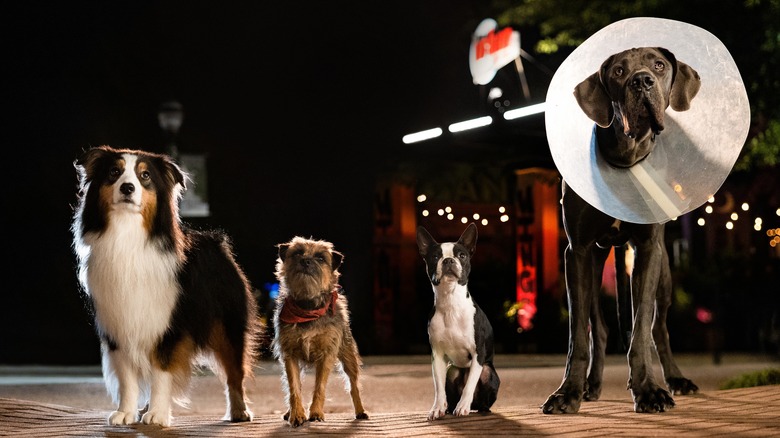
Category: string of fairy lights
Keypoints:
(773, 234)
(758, 222)
(448, 213)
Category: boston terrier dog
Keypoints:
(461, 337)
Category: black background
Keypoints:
(297, 106)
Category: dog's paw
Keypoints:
(681, 386)
(240, 415)
(592, 392)
(437, 412)
(463, 407)
(118, 418)
(361, 416)
(159, 418)
(295, 419)
(461, 410)
(317, 416)
(652, 400)
(562, 403)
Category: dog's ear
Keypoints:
(283, 247)
(594, 100)
(86, 163)
(424, 240)
(469, 238)
(336, 259)
(175, 173)
(685, 83)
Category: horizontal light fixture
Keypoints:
(524, 111)
(422, 135)
(474, 123)
(470, 124)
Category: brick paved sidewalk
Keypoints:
(735, 413)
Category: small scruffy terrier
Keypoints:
(311, 322)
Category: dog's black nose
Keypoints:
(127, 188)
(643, 80)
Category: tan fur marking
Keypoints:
(180, 368)
(148, 201)
(106, 200)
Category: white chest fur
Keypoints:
(451, 328)
(132, 283)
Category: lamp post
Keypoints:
(194, 202)
(170, 116)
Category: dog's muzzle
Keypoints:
(450, 266)
(446, 266)
(127, 190)
(308, 266)
(643, 106)
(127, 193)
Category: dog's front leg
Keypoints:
(648, 395)
(324, 367)
(123, 385)
(295, 415)
(598, 339)
(581, 282)
(160, 402)
(675, 380)
(439, 367)
(464, 405)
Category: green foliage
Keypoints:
(769, 376)
(566, 23)
(761, 150)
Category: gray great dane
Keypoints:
(627, 99)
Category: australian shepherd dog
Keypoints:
(166, 298)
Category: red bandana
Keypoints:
(292, 313)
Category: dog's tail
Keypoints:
(624, 264)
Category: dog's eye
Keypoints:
(114, 172)
(145, 175)
(659, 65)
(618, 71)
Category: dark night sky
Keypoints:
(297, 106)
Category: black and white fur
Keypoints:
(163, 295)
(461, 337)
